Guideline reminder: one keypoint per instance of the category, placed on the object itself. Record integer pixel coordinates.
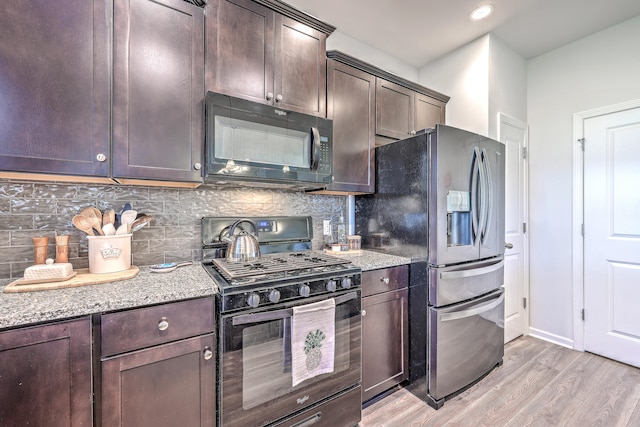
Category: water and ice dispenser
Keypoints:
(458, 218)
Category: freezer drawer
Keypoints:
(449, 285)
(465, 342)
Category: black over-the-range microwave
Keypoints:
(254, 144)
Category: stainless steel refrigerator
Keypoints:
(440, 201)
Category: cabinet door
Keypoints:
(45, 375)
(384, 342)
(428, 112)
(394, 110)
(351, 105)
(158, 92)
(300, 67)
(54, 74)
(164, 386)
(239, 49)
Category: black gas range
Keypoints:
(287, 271)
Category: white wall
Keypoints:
(464, 76)
(366, 53)
(596, 71)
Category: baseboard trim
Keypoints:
(552, 338)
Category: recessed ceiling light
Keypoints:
(481, 12)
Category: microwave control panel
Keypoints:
(324, 165)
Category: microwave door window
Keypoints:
(255, 143)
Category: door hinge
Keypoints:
(524, 227)
(582, 314)
(525, 153)
(581, 141)
(524, 303)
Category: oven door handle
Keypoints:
(244, 319)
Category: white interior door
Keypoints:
(513, 135)
(612, 235)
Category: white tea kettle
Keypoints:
(243, 246)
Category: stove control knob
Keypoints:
(331, 285)
(274, 295)
(304, 290)
(346, 282)
(253, 300)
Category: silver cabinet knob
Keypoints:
(101, 158)
(207, 354)
(269, 96)
(413, 132)
(163, 325)
(508, 245)
(364, 313)
(197, 166)
(384, 280)
(278, 98)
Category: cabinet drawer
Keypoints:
(144, 327)
(384, 279)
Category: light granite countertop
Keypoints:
(26, 308)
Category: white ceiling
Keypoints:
(419, 31)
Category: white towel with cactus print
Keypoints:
(312, 340)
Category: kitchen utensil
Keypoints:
(244, 245)
(140, 222)
(82, 223)
(95, 218)
(123, 229)
(127, 217)
(109, 217)
(167, 266)
(109, 230)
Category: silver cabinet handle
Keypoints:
(384, 280)
(278, 98)
(197, 166)
(101, 158)
(364, 313)
(208, 354)
(164, 324)
(269, 96)
(413, 132)
(508, 245)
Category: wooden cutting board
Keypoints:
(82, 278)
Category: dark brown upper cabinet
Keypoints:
(351, 105)
(54, 75)
(401, 112)
(45, 375)
(158, 90)
(266, 52)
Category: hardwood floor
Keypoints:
(539, 384)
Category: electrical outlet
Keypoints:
(326, 227)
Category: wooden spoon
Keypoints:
(109, 217)
(140, 222)
(95, 218)
(128, 217)
(82, 223)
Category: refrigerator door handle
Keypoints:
(487, 194)
(475, 172)
(460, 274)
(456, 315)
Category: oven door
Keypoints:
(255, 363)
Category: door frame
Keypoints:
(578, 211)
(508, 120)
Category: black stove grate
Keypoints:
(292, 264)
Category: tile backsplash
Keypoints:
(36, 209)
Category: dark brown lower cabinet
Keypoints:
(45, 375)
(385, 338)
(165, 386)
